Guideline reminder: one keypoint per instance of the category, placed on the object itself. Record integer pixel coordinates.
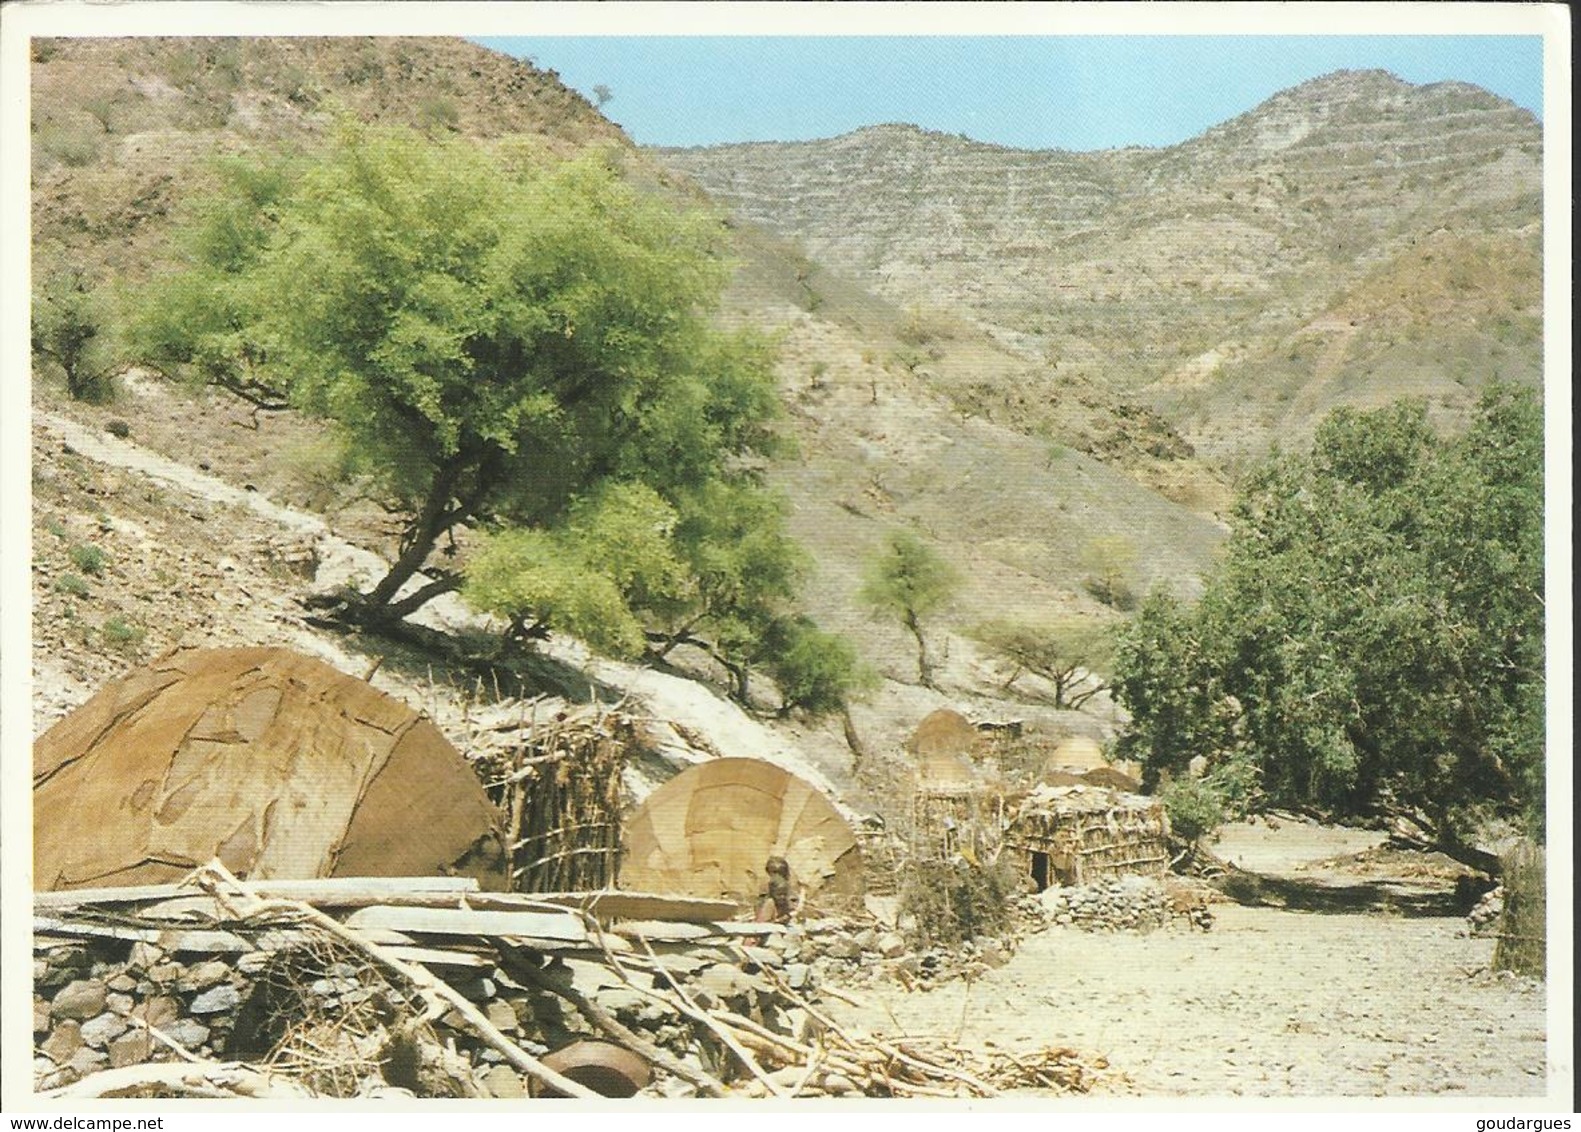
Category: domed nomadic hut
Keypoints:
(271, 761)
(708, 832)
(1077, 754)
(955, 810)
(945, 732)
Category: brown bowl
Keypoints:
(609, 1070)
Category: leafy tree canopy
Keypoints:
(1074, 654)
(1373, 640)
(909, 580)
(500, 336)
(73, 329)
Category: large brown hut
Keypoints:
(273, 762)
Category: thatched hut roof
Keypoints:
(709, 830)
(1076, 753)
(273, 762)
(944, 732)
(1111, 777)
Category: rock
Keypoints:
(88, 1060)
(681, 965)
(216, 1000)
(501, 1014)
(100, 1031)
(63, 1042)
(81, 999)
(798, 975)
(254, 962)
(131, 1048)
(479, 990)
(40, 1015)
(503, 1083)
(992, 953)
(144, 956)
(203, 976)
(158, 1011)
(123, 983)
(843, 947)
(166, 974)
(867, 939)
(188, 1033)
(764, 957)
(891, 945)
(722, 981)
(66, 962)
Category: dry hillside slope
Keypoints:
(1213, 277)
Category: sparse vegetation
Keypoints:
(910, 581)
(947, 903)
(1110, 562)
(87, 558)
(71, 585)
(121, 634)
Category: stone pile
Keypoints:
(1483, 919)
(429, 987)
(1126, 903)
(104, 1002)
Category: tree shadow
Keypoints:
(1303, 894)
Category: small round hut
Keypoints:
(709, 831)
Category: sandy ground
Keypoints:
(1270, 1003)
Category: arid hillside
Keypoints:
(1350, 240)
(903, 417)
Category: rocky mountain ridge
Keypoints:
(1148, 270)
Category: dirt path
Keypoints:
(1270, 1003)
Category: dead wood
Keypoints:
(215, 878)
(206, 1079)
(519, 964)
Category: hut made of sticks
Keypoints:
(954, 810)
(271, 761)
(557, 780)
(1079, 834)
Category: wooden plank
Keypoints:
(167, 939)
(657, 930)
(611, 905)
(438, 957)
(559, 927)
(339, 892)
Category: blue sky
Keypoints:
(1068, 92)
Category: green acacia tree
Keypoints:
(497, 335)
(1073, 654)
(73, 329)
(1373, 640)
(909, 581)
(637, 577)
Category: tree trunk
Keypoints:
(431, 521)
(924, 665)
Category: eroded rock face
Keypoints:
(1162, 269)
